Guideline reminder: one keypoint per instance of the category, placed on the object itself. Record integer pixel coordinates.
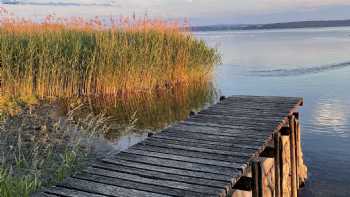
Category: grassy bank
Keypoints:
(65, 60)
(39, 148)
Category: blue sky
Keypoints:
(200, 12)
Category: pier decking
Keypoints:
(213, 153)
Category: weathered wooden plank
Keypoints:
(183, 172)
(218, 149)
(66, 192)
(139, 182)
(147, 187)
(238, 146)
(261, 99)
(187, 143)
(215, 138)
(159, 175)
(243, 135)
(106, 189)
(258, 128)
(256, 101)
(261, 125)
(276, 111)
(246, 106)
(255, 112)
(255, 104)
(194, 154)
(270, 115)
(251, 106)
(251, 110)
(219, 131)
(226, 139)
(242, 117)
(247, 153)
(180, 164)
(185, 159)
(233, 119)
(267, 98)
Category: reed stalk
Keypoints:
(67, 58)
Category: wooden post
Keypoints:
(297, 151)
(257, 176)
(292, 156)
(277, 159)
(281, 152)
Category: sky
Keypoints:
(199, 12)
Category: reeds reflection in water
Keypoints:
(152, 110)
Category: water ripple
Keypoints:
(299, 71)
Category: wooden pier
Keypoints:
(217, 152)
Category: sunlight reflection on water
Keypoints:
(332, 117)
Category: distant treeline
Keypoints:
(286, 25)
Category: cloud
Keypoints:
(197, 9)
(60, 2)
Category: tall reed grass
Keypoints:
(64, 58)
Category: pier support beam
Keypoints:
(257, 176)
(279, 170)
(301, 169)
(278, 163)
(293, 158)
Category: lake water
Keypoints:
(311, 63)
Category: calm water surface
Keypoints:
(311, 63)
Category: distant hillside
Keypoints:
(287, 25)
